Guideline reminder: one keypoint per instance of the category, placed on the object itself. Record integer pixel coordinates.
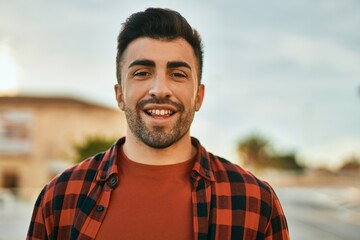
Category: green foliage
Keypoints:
(92, 146)
(256, 151)
(253, 149)
(351, 164)
(286, 161)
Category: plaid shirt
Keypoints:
(228, 202)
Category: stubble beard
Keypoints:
(159, 137)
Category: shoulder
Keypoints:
(228, 173)
(240, 181)
(224, 170)
(82, 175)
(74, 177)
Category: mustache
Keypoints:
(179, 107)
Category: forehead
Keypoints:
(159, 51)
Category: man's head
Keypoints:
(161, 24)
(159, 61)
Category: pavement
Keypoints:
(14, 219)
(331, 213)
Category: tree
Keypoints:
(285, 161)
(351, 164)
(92, 146)
(253, 149)
(256, 151)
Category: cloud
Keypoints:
(319, 53)
(7, 69)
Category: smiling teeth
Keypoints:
(160, 112)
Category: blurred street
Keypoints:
(14, 218)
(322, 213)
(312, 213)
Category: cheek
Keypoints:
(132, 95)
(189, 100)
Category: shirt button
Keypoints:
(113, 181)
(100, 208)
(207, 174)
(103, 176)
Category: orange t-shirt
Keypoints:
(150, 202)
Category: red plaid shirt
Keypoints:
(228, 202)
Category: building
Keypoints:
(38, 135)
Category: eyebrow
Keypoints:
(176, 64)
(142, 62)
(150, 63)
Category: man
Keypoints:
(158, 182)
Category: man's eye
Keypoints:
(141, 74)
(178, 75)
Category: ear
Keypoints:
(119, 96)
(199, 97)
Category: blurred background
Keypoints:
(282, 99)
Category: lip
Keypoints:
(158, 120)
(159, 107)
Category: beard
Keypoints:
(159, 137)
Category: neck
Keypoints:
(139, 152)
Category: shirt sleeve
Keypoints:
(277, 228)
(37, 228)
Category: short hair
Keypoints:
(162, 24)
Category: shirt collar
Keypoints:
(108, 164)
(202, 166)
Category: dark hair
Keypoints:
(158, 23)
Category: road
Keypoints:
(14, 219)
(312, 214)
(322, 213)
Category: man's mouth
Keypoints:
(159, 112)
(159, 108)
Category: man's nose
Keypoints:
(160, 87)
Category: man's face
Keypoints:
(159, 90)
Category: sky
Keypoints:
(287, 70)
